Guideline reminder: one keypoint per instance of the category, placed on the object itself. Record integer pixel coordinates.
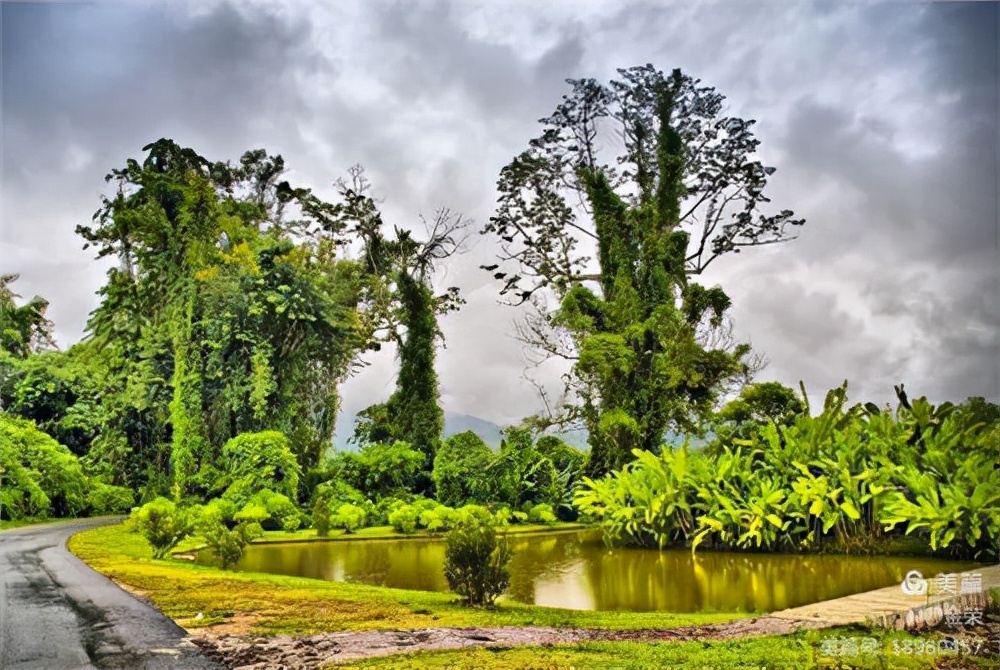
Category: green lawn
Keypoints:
(800, 651)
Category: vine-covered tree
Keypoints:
(230, 311)
(403, 298)
(649, 172)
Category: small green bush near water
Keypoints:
(475, 558)
(162, 523)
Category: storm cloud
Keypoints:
(881, 120)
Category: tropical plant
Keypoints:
(253, 462)
(41, 477)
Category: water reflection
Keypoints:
(575, 570)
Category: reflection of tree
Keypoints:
(539, 558)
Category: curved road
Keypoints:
(56, 613)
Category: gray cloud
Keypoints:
(881, 120)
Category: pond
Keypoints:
(576, 570)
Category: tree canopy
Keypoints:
(680, 188)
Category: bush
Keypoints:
(542, 513)
(258, 461)
(227, 532)
(459, 470)
(277, 512)
(41, 476)
(403, 518)
(108, 499)
(380, 470)
(475, 559)
(162, 523)
(329, 496)
(349, 517)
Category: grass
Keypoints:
(297, 605)
(798, 650)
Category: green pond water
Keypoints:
(576, 570)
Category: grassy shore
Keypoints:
(238, 602)
(275, 604)
(802, 651)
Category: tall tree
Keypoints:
(682, 189)
(402, 295)
(232, 308)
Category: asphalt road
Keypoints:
(56, 613)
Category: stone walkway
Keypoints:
(891, 607)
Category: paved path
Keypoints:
(58, 614)
(885, 605)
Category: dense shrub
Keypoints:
(275, 511)
(406, 517)
(163, 524)
(460, 469)
(329, 496)
(476, 559)
(541, 513)
(254, 462)
(226, 531)
(107, 499)
(564, 457)
(41, 476)
(379, 470)
(349, 517)
(845, 477)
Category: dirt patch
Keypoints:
(238, 624)
(247, 652)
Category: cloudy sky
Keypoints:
(881, 119)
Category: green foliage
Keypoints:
(277, 511)
(408, 517)
(380, 470)
(228, 532)
(40, 476)
(756, 405)
(460, 468)
(109, 499)
(23, 329)
(163, 524)
(222, 315)
(349, 517)
(844, 476)
(684, 190)
(542, 513)
(254, 462)
(476, 559)
(328, 497)
(404, 518)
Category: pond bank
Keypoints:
(256, 652)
